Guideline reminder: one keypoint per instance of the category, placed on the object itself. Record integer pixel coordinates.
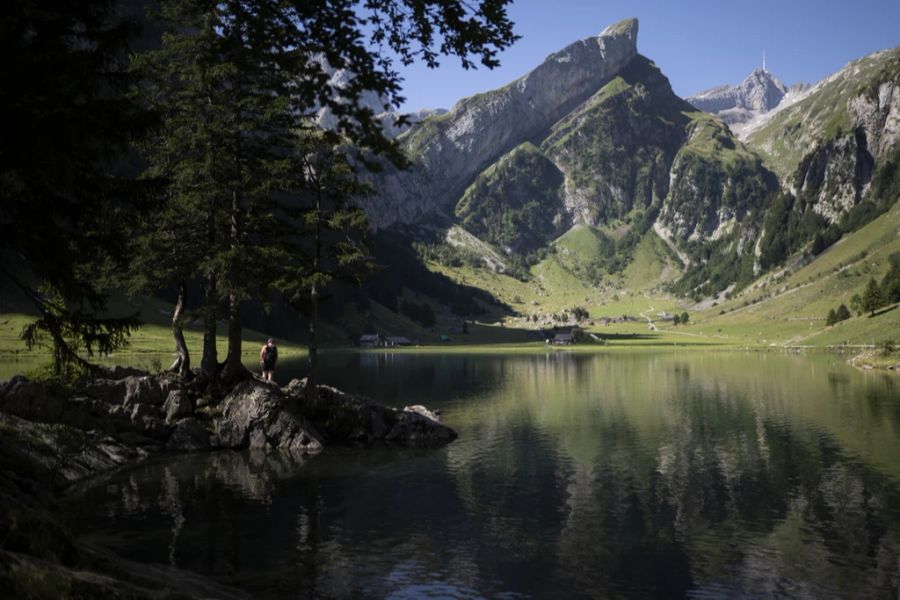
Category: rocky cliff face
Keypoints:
(340, 78)
(835, 176)
(450, 150)
(840, 133)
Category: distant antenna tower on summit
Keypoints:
(764, 60)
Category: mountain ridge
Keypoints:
(450, 150)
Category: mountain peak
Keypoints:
(625, 27)
(758, 93)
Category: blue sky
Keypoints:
(698, 44)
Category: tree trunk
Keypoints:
(210, 362)
(234, 369)
(182, 364)
(312, 380)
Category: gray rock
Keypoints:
(36, 401)
(878, 115)
(256, 415)
(759, 93)
(143, 390)
(452, 149)
(177, 405)
(189, 436)
(139, 411)
(111, 391)
(152, 427)
(347, 419)
(421, 410)
(835, 176)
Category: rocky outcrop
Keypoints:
(39, 558)
(616, 149)
(257, 415)
(877, 114)
(178, 405)
(835, 176)
(450, 150)
(347, 419)
(189, 435)
(341, 78)
(759, 93)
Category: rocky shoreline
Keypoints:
(51, 438)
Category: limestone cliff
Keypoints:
(450, 150)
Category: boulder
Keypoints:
(256, 415)
(37, 401)
(189, 436)
(421, 410)
(177, 406)
(348, 419)
(143, 390)
(139, 411)
(110, 391)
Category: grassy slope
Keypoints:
(791, 309)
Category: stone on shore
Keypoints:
(189, 436)
(347, 419)
(256, 415)
(177, 406)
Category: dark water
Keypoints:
(575, 476)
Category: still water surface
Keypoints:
(710, 475)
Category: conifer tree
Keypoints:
(872, 297)
(220, 83)
(67, 122)
(235, 80)
(327, 237)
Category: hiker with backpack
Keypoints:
(268, 356)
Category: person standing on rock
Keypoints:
(268, 356)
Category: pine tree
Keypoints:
(831, 319)
(890, 284)
(872, 297)
(67, 122)
(221, 85)
(234, 80)
(328, 237)
(843, 313)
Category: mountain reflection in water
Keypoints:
(663, 475)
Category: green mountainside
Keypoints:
(635, 195)
(515, 203)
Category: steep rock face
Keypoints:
(759, 93)
(341, 78)
(877, 113)
(450, 150)
(714, 183)
(835, 176)
(616, 149)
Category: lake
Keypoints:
(648, 474)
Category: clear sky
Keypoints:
(698, 44)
